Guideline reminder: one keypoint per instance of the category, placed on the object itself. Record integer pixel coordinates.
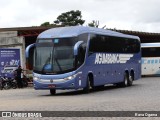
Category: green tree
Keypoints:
(71, 18)
(94, 24)
(45, 24)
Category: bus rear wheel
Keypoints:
(130, 80)
(52, 91)
(125, 81)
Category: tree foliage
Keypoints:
(94, 24)
(45, 24)
(71, 18)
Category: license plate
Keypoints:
(51, 86)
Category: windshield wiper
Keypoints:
(47, 61)
(58, 64)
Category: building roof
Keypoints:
(145, 37)
(36, 30)
(26, 31)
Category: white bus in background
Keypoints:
(150, 58)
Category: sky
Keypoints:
(135, 15)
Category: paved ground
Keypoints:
(144, 95)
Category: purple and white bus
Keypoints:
(83, 58)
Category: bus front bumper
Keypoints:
(54, 84)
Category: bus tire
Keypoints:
(125, 81)
(88, 85)
(130, 80)
(52, 91)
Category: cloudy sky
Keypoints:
(136, 15)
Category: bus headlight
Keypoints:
(70, 77)
(35, 78)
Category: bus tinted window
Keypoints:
(151, 52)
(100, 43)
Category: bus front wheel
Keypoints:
(52, 91)
(88, 86)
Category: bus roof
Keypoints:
(147, 45)
(72, 31)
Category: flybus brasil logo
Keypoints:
(102, 58)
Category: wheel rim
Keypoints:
(130, 80)
(126, 80)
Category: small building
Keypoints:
(13, 42)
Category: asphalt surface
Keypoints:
(144, 95)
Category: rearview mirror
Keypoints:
(76, 46)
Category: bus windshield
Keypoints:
(54, 57)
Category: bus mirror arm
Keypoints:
(28, 48)
(76, 46)
(27, 54)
